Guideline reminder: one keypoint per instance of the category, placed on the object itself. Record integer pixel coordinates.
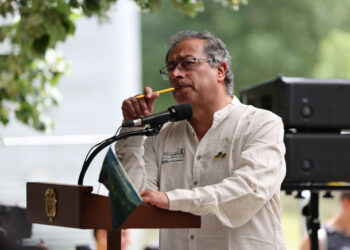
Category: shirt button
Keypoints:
(198, 157)
(195, 183)
(192, 237)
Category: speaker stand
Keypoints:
(310, 211)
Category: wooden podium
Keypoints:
(76, 207)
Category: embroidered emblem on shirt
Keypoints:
(169, 157)
(220, 155)
(226, 143)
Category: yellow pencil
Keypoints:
(159, 91)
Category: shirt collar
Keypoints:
(224, 112)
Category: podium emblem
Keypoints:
(50, 203)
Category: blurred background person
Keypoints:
(101, 239)
(335, 234)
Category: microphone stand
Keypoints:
(151, 131)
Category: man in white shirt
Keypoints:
(226, 163)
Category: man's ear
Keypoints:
(222, 68)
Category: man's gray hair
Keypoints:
(213, 47)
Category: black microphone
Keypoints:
(174, 113)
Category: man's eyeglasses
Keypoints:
(185, 64)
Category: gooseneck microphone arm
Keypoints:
(155, 122)
(147, 131)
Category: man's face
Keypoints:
(197, 82)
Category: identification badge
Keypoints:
(169, 157)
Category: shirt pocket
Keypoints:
(214, 170)
(173, 176)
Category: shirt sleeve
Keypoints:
(257, 177)
(130, 152)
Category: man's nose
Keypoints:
(178, 70)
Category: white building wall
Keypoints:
(106, 68)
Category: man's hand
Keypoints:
(155, 198)
(135, 108)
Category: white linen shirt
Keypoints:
(231, 178)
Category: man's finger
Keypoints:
(144, 192)
(137, 107)
(150, 101)
(128, 110)
(148, 92)
(144, 107)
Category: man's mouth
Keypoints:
(178, 88)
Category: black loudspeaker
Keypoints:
(317, 157)
(304, 103)
(314, 112)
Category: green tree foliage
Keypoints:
(334, 56)
(30, 68)
(265, 38)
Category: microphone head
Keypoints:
(180, 112)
